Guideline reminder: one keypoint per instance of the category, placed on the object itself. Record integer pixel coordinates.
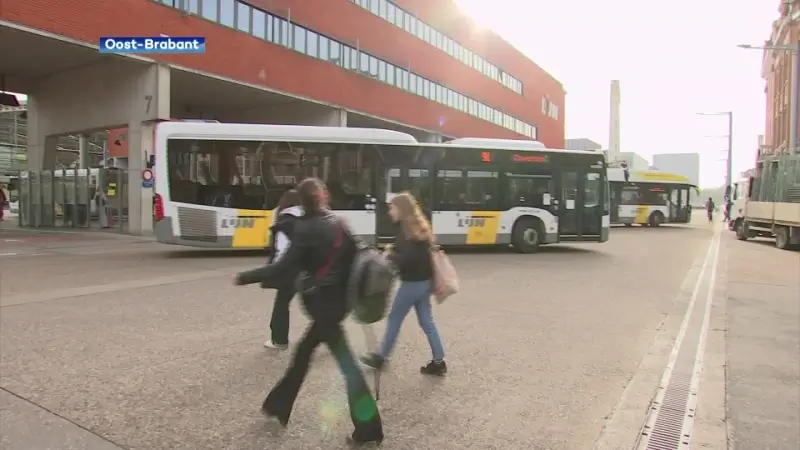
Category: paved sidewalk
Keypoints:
(763, 347)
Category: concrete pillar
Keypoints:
(83, 151)
(154, 86)
(140, 199)
(336, 118)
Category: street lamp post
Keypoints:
(794, 106)
(729, 158)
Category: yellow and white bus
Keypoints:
(649, 198)
(217, 185)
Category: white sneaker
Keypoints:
(270, 344)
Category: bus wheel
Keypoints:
(656, 219)
(527, 235)
(782, 237)
(741, 229)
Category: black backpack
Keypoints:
(370, 284)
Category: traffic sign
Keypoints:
(147, 178)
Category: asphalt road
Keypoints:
(110, 342)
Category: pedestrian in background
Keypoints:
(282, 232)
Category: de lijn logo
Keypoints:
(473, 222)
(152, 44)
(240, 222)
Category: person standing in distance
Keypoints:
(412, 257)
(282, 231)
(323, 249)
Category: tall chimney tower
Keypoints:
(613, 123)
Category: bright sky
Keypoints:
(676, 60)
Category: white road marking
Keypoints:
(712, 260)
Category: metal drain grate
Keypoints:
(671, 416)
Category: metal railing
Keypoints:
(73, 198)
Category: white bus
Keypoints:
(218, 184)
(649, 198)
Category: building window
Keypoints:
(336, 55)
(227, 12)
(299, 37)
(209, 9)
(266, 26)
(312, 44)
(259, 24)
(243, 17)
(324, 48)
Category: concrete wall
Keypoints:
(288, 113)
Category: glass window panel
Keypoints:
(210, 10)
(346, 57)
(382, 70)
(312, 44)
(259, 24)
(390, 72)
(364, 63)
(324, 48)
(299, 37)
(227, 12)
(373, 66)
(336, 53)
(284, 30)
(391, 11)
(243, 17)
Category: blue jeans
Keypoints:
(416, 294)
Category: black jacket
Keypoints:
(411, 257)
(312, 247)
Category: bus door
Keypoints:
(397, 179)
(616, 198)
(683, 213)
(580, 203)
(390, 182)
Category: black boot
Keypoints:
(284, 422)
(362, 441)
(438, 368)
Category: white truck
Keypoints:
(768, 204)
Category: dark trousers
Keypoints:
(279, 322)
(326, 327)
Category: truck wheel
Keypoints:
(782, 238)
(741, 229)
(527, 235)
(656, 219)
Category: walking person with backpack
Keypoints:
(322, 253)
(412, 257)
(282, 231)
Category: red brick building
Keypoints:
(777, 72)
(420, 63)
